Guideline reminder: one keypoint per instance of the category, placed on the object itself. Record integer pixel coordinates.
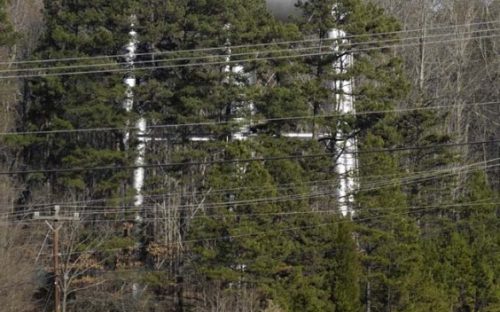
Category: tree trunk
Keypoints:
(368, 291)
(422, 48)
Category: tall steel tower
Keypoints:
(346, 162)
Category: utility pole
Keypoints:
(55, 247)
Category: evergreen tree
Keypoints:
(484, 238)
(387, 237)
(215, 93)
(273, 243)
(421, 128)
(375, 92)
(465, 250)
(230, 228)
(66, 102)
(346, 271)
(200, 93)
(396, 263)
(319, 20)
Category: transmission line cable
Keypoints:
(225, 47)
(245, 160)
(227, 62)
(370, 185)
(411, 210)
(297, 214)
(257, 121)
(249, 53)
(292, 185)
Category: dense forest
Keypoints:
(192, 149)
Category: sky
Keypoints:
(282, 8)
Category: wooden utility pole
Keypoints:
(55, 247)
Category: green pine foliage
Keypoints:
(66, 102)
(346, 271)
(464, 250)
(220, 231)
(264, 231)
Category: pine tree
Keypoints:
(484, 238)
(274, 246)
(374, 92)
(346, 271)
(200, 93)
(213, 93)
(398, 260)
(318, 22)
(464, 263)
(387, 237)
(66, 102)
(264, 234)
(421, 128)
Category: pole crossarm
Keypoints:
(56, 217)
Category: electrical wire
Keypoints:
(299, 228)
(257, 121)
(370, 185)
(225, 47)
(247, 160)
(241, 216)
(227, 62)
(250, 53)
(275, 231)
(152, 195)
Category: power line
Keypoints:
(312, 212)
(297, 214)
(305, 213)
(227, 62)
(171, 194)
(245, 160)
(250, 53)
(250, 45)
(235, 189)
(256, 121)
(285, 186)
(367, 186)
(411, 210)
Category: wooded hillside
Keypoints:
(193, 148)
